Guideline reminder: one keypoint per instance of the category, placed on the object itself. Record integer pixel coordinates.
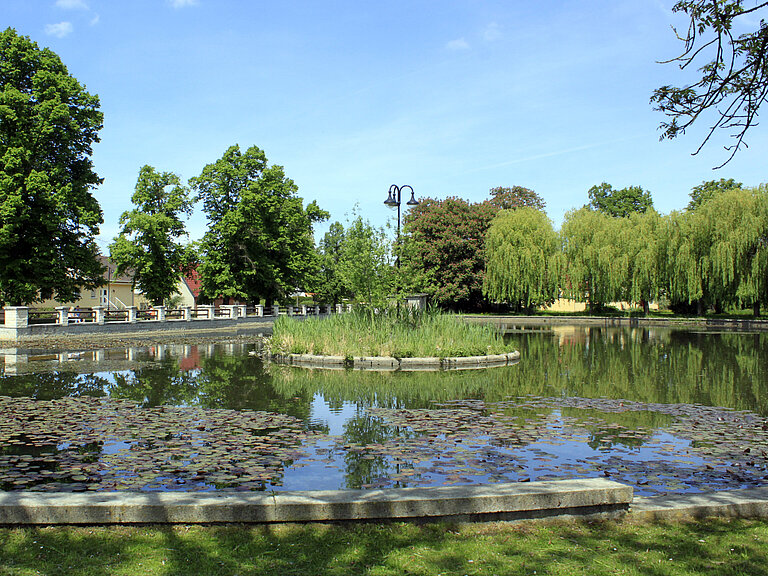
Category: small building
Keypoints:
(116, 293)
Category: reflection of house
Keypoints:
(117, 291)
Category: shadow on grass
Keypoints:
(707, 547)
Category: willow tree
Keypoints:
(597, 267)
(738, 225)
(523, 259)
(716, 255)
(640, 243)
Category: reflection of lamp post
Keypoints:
(393, 201)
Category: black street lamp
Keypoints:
(393, 201)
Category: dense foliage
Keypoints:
(48, 215)
(355, 263)
(619, 203)
(443, 251)
(147, 244)
(523, 259)
(259, 242)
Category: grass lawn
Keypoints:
(717, 547)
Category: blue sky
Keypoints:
(452, 97)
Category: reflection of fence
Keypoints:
(22, 316)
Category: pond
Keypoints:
(666, 411)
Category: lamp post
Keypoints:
(393, 201)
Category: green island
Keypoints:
(395, 333)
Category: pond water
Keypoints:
(663, 410)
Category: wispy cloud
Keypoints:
(182, 3)
(59, 30)
(554, 153)
(458, 44)
(72, 4)
(94, 20)
(492, 32)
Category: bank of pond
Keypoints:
(664, 410)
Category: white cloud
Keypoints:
(182, 3)
(94, 20)
(59, 30)
(72, 4)
(458, 44)
(492, 32)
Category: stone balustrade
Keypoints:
(18, 317)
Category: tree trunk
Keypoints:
(756, 308)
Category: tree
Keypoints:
(147, 244)
(48, 215)
(330, 287)
(259, 242)
(515, 197)
(734, 76)
(709, 189)
(444, 250)
(619, 203)
(523, 259)
(365, 266)
(598, 268)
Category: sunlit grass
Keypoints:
(717, 547)
(402, 334)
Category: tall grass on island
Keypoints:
(403, 333)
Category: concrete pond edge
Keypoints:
(392, 363)
(585, 498)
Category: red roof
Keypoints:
(192, 280)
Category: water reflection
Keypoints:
(367, 429)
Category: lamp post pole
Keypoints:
(393, 201)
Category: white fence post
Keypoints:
(160, 313)
(133, 314)
(259, 310)
(16, 316)
(186, 313)
(98, 314)
(62, 315)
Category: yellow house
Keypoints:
(117, 292)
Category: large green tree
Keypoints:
(259, 242)
(598, 268)
(48, 214)
(619, 203)
(443, 253)
(733, 67)
(148, 243)
(523, 259)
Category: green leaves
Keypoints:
(48, 216)
(147, 242)
(259, 242)
(523, 259)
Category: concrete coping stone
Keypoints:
(535, 499)
(392, 363)
(745, 503)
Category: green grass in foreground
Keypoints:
(717, 547)
(402, 335)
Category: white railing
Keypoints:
(23, 316)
